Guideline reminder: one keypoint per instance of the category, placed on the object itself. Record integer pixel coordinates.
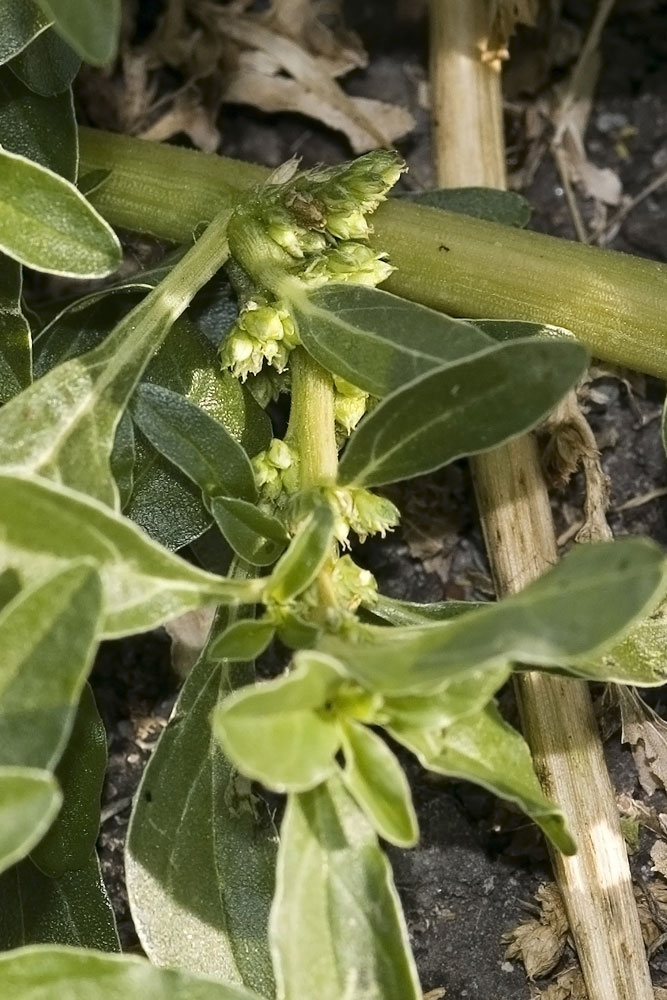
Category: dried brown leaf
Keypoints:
(275, 72)
(651, 900)
(637, 810)
(646, 733)
(571, 116)
(659, 857)
(539, 943)
(187, 115)
(568, 985)
(506, 14)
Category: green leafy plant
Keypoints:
(135, 424)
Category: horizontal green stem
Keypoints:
(615, 303)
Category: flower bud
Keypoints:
(352, 584)
(357, 509)
(349, 404)
(348, 225)
(261, 333)
(276, 470)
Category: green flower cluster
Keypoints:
(357, 509)
(276, 472)
(317, 206)
(261, 333)
(310, 226)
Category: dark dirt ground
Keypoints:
(478, 863)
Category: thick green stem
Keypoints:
(312, 431)
(312, 424)
(613, 302)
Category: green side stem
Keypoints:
(312, 422)
(312, 431)
(613, 302)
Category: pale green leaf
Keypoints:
(20, 22)
(47, 66)
(337, 930)
(29, 801)
(277, 732)
(455, 700)
(377, 341)
(243, 640)
(73, 909)
(639, 658)
(90, 26)
(307, 553)
(397, 612)
(47, 225)
(486, 750)
(297, 633)
(506, 207)
(255, 536)
(71, 838)
(576, 609)
(15, 341)
(377, 781)
(48, 637)
(72, 412)
(45, 526)
(466, 408)
(198, 444)
(42, 129)
(201, 848)
(44, 973)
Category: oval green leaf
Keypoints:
(255, 536)
(73, 909)
(243, 640)
(377, 341)
(45, 526)
(463, 409)
(20, 22)
(307, 553)
(277, 732)
(47, 66)
(201, 849)
(70, 841)
(485, 749)
(195, 442)
(506, 207)
(15, 340)
(80, 974)
(48, 635)
(329, 939)
(42, 129)
(29, 801)
(377, 781)
(90, 26)
(47, 225)
(581, 605)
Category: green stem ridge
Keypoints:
(613, 302)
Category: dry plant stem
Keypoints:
(518, 527)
